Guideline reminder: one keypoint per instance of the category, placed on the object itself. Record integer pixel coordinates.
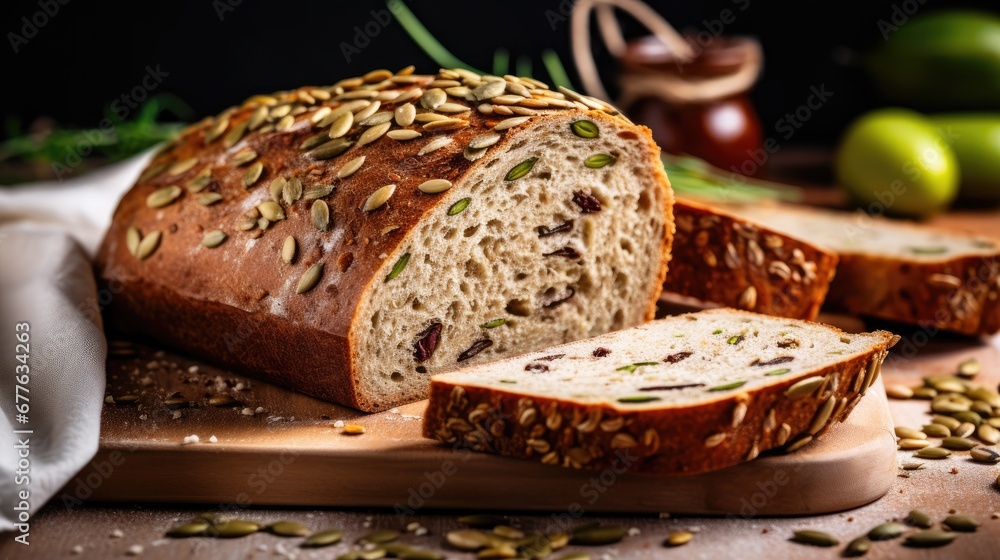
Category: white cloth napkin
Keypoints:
(49, 233)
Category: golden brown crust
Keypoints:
(666, 441)
(722, 258)
(236, 303)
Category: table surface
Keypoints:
(955, 484)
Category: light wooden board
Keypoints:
(290, 453)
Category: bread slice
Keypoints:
(682, 395)
(897, 270)
(351, 240)
(723, 258)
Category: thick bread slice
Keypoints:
(723, 258)
(898, 270)
(681, 395)
(351, 240)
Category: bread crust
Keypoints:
(721, 258)
(666, 441)
(236, 304)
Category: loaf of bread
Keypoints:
(897, 270)
(681, 395)
(349, 241)
(723, 258)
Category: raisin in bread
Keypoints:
(722, 258)
(899, 270)
(681, 395)
(351, 240)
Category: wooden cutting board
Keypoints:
(277, 447)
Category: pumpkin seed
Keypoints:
(814, 538)
(444, 124)
(152, 171)
(373, 133)
(285, 123)
(919, 519)
(858, 547)
(727, 386)
(493, 324)
(967, 416)
(288, 250)
(473, 154)
(380, 536)
(521, 169)
(148, 245)
(323, 538)
(459, 206)
(484, 140)
(488, 90)
(320, 212)
(965, 429)
(598, 161)
(950, 403)
(823, 415)
(985, 455)
(215, 131)
(969, 368)
(909, 433)
(222, 400)
(961, 523)
(405, 114)
(317, 191)
(208, 199)
(907, 443)
(936, 430)
(804, 387)
(585, 129)
(482, 521)
(331, 149)
(291, 192)
(192, 529)
(311, 277)
(379, 197)
(244, 157)
(434, 186)
(432, 98)
(638, 399)
(948, 421)
(200, 181)
(677, 538)
(798, 444)
(469, 540)
(886, 531)
(419, 554)
(252, 174)
(182, 166)
(957, 443)
(510, 123)
(501, 551)
(508, 532)
(913, 466)
(271, 211)
(398, 267)
(932, 453)
(341, 125)
(234, 135)
(598, 536)
(988, 433)
(163, 197)
(452, 108)
(403, 135)
(930, 538)
(233, 529)
(288, 529)
(781, 371)
(213, 239)
(898, 392)
(132, 240)
(926, 393)
(381, 117)
(435, 144)
(574, 556)
(277, 188)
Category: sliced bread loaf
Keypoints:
(724, 258)
(350, 240)
(681, 395)
(899, 270)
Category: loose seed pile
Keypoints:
(922, 535)
(961, 410)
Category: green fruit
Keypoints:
(893, 161)
(975, 139)
(945, 59)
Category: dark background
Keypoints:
(89, 53)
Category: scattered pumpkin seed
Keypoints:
(331, 149)
(163, 197)
(192, 529)
(898, 391)
(252, 174)
(473, 154)
(209, 198)
(291, 192)
(907, 443)
(373, 133)
(638, 399)
(521, 169)
(311, 277)
(354, 429)
(148, 245)
(380, 536)
(781, 371)
(814, 538)
(936, 430)
(913, 466)
(728, 386)
(909, 433)
(468, 540)
(435, 144)
(317, 191)
(213, 239)
(379, 197)
(493, 324)
(398, 267)
(957, 443)
(988, 434)
(484, 140)
(459, 206)
(288, 529)
(932, 453)
(132, 239)
(925, 393)
(969, 368)
(804, 387)
(858, 547)
(324, 538)
(585, 129)
(419, 554)
(244, 157)
(288, 250)
(598, 536)
(886, 531)
(919, 519)
(320, 212)
(233, 529)
(961, 523)
(598, 161)
(152, 171)
(985, 455)
(403, 135)
(405, 114)
(271, 211)
(510, 123)
(929, 538)
(182, 166)
(434, 186)
(948, 421)
(676, 538)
